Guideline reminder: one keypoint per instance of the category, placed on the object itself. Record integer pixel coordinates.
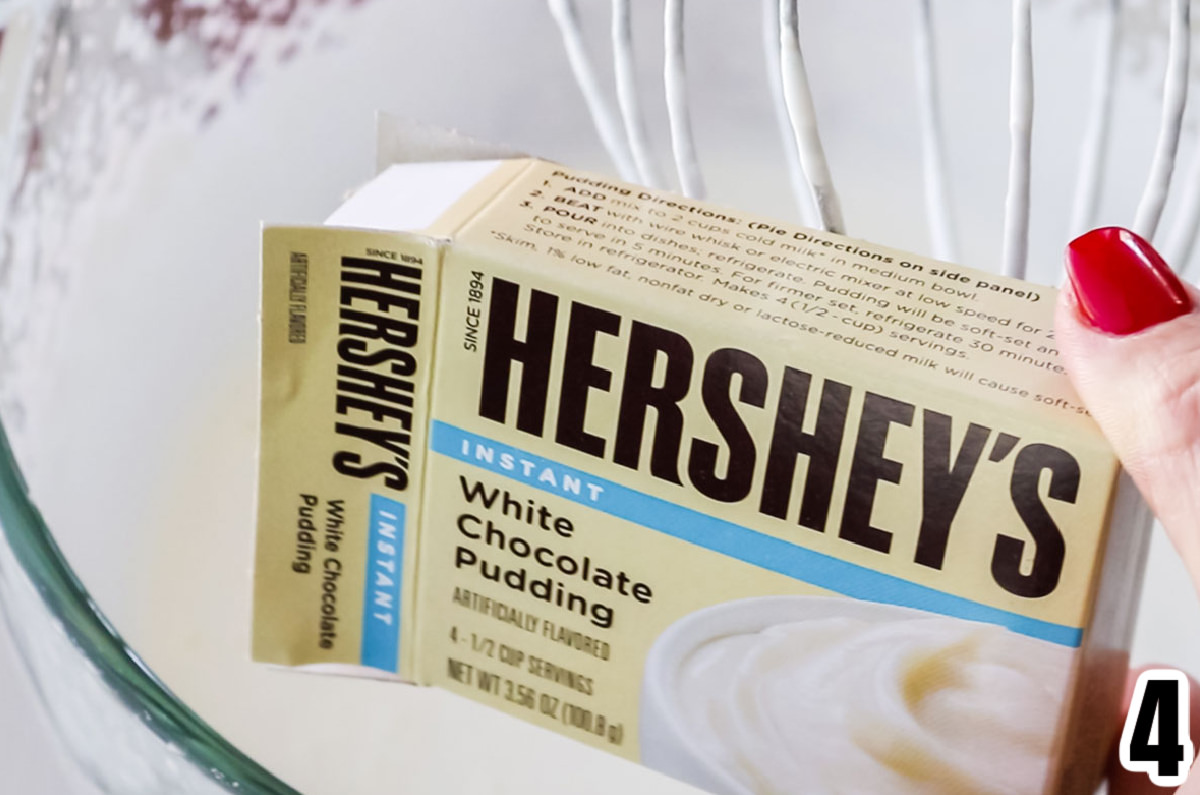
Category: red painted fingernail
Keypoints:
(1121, 283)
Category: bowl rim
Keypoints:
(124, 672)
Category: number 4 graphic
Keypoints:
(1160, 700)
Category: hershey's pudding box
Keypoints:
(765, 508)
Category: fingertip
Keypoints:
(1122, 283)
(1066, 309)
(1080, 345)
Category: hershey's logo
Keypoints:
(378, 328)
(659, 368)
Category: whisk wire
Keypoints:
(566, 15)
(937, 182)
(628, 96)
(1149, 210)
(803, 115)
(679, 113)
(1020, 121)
(795, 172)
(1096, 133)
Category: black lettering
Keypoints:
(868, 467)
(581, 375)
(378, 411)
(944, 483)
(478, 491)
(387, 275)
(386, 285)
(1050, 547)
(393, 331)
(351, 464)
(503, 348)
(719, 371)
(376, 386)
(383, 301)
(789, 441)
(639, 395)
(395, 442)
(356, 351)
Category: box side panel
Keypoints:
(1104, 662)
(348, 323)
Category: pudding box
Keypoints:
(765, 508)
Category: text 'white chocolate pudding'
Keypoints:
(809, 695)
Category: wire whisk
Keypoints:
(625, 136)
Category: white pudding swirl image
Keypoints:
(815, 695)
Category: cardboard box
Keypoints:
(765, 508)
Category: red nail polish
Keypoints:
(1121, 283)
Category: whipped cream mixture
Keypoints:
(842, 705)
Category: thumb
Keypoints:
(1129, 335)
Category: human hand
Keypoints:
(1129, 334)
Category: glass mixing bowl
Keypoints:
(144, 142)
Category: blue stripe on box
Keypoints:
(727, 538)
(381, 593)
